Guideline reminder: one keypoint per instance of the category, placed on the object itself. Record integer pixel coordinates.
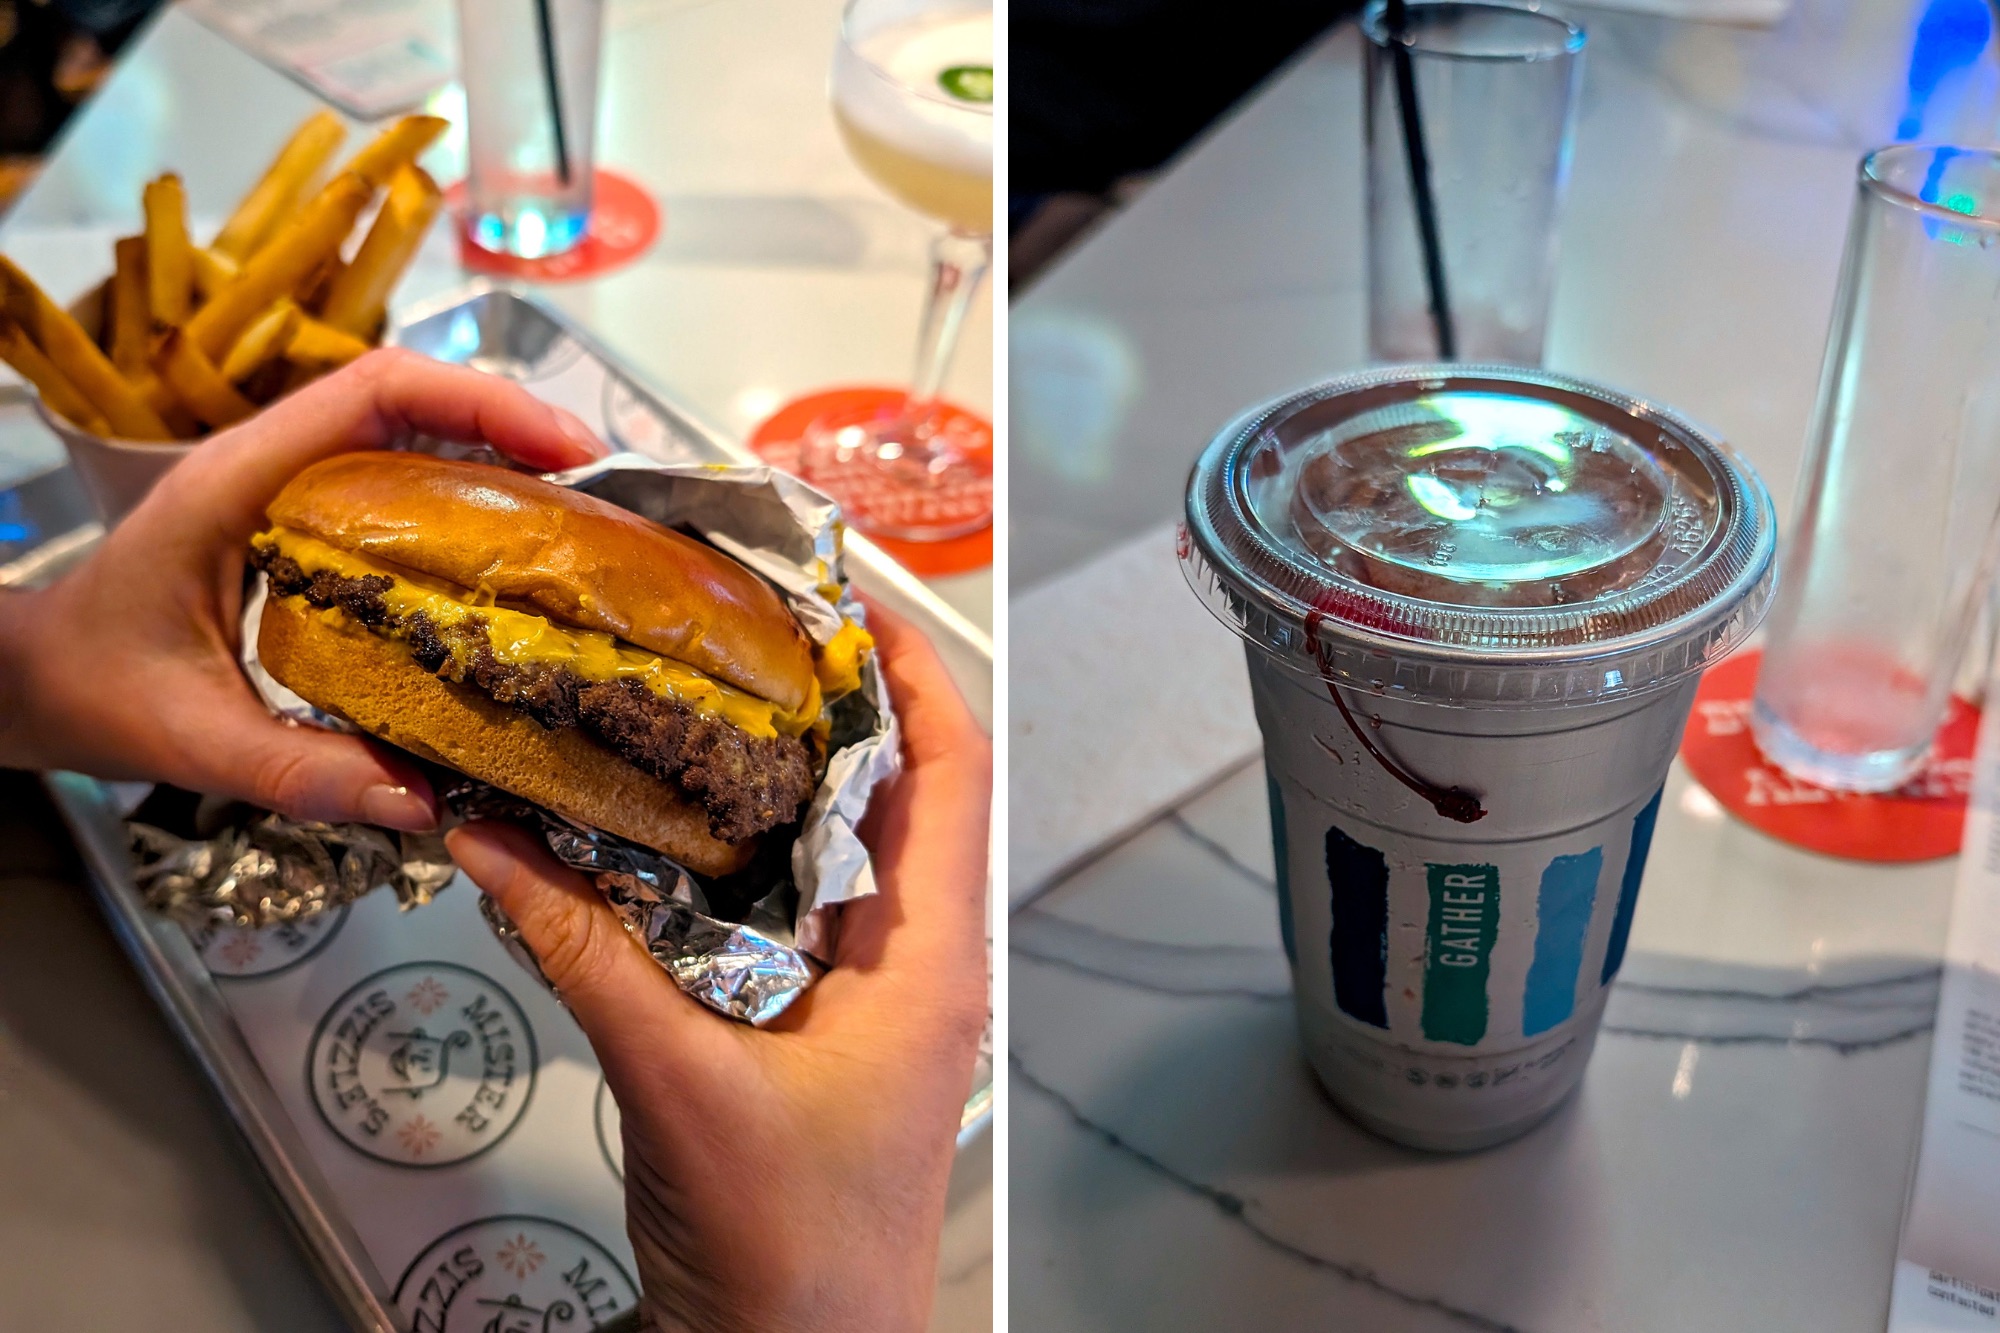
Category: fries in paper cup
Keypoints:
(185, 338)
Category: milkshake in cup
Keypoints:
(1476, 602)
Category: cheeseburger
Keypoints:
(552, 644)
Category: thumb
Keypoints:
(634, 1015)
(307, 773)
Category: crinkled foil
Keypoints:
(275, 869)
(746, 970)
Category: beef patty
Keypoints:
(746, 784)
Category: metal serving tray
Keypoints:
(450, 1147)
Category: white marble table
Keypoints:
(1738, 1154)
(781, 269)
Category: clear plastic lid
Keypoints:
(1481, 536)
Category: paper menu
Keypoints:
(452, 1106)
(367, 57)
(1737, 13)
(1948, 1261)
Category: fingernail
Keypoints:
(397, 808)
(474, 856)
(578, 434)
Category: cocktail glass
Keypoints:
(912, 92)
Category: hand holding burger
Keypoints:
(792, 1177)
(841, 1114)
(126, 667)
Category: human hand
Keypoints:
(127, 667)
(793, 1177)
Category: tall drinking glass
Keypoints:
(530, 70)
(1469, 120)
(1898, 513)
(912, 91)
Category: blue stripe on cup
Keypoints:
(1628, 892)
(1359, 878)
(1562, 919)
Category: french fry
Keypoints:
(360, 295)
(394, 148)
(212, 271)
(92, 313)
(169, 263)
(167, 403)
(315, 343)
(183, 338)
(131, 317)
(285, 185)
(264, 341)
(201, 388)
(62, 397)
(65, 343)
(313, 295)
(280, 267)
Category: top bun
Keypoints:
(571, 556)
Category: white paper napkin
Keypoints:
(1947, 1264)
(1127, 697)
(1739, 13)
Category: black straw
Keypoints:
(1395, 14)
(553, 80)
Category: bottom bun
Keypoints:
(373, 682)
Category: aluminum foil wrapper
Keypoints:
(747, 961)
(274, 869)
(747, 970)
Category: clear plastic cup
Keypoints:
(1476, 603)
(1898, 522)
(530, 71)
(1479, 101)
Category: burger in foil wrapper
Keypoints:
(737, 908)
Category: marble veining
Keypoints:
(1132, 972)
(1780, 1008)
(1241, 1211)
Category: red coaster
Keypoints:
(624, 222)
(1920, 821)
(776, 441)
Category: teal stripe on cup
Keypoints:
(1281, 862)
(1628, 892)
(1464, 922)
(1562, 919)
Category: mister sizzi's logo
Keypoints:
(239, 953)
(513, 1274)
(422, 1065)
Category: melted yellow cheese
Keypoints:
(838, 664)
(521, 638)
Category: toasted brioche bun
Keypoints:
(373, 682)
(574, 558)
